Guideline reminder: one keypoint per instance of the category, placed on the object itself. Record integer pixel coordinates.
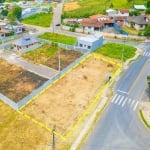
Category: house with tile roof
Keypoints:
(96, 23)
(137, 22)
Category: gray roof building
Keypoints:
(25, 41)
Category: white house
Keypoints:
(16, 28)
(123, 12)
(89, 43)
(139, 7)
(111, 12)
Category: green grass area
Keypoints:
(90, 7)
(60, 38)
(41, 53)
(130, 30)
(41, 19)
(115, 51)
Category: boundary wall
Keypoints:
(42, 88)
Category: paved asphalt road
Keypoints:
(120, 128)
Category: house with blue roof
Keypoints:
(25, 42)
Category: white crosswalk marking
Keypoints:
(124, 101)
(129, 100)
(117, 99)
(132, 102)
(114, 98)
(121, 100)
(149, 54)
(146, 54)
(135, 106)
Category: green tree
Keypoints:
(4, 12)
(17, 11)
(147, 30)
(147, 11)
(148, 81)
(11, 17)
(135, 13)
(111, 5)
(148, 3)
(2, 1)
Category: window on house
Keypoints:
(141, 26)
(89, 47)
(80, 45)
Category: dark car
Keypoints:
(58, 25)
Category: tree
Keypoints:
(135, 13)
(2, 1)
(147, 30)
(148, 81)
(147, 11)
(4, 12)
(11, 17)
(148, 3)
(17, 11)
(111, 5)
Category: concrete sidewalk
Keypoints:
(37, 69)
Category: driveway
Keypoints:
(37, 69)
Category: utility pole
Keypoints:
(59, 61)
(122, 54)
(53, 136)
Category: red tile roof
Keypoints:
(87, 22)
(124, 10)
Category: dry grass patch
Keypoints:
(63, 103)
(16, 132)
(71, 6)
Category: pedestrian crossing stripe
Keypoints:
(146, 53)
(124, 101)
(117, 99)
(121, 100)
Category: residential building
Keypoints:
(89, 42)
(96, 23)
(139, 7)
(137, 22)
(25, 42)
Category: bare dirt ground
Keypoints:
(63, 103)
(145, 107)
(71, 6)
(66, 57)
(16, 83)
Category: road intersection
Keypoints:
(120, 128)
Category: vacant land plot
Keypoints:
(71, 6)
(49, 55)
(18, 133)
(63, 103)
(16, 83)
(41, 19)
(60, 38)
(113, 50)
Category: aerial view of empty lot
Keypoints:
(16, 83)
(63, 102)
